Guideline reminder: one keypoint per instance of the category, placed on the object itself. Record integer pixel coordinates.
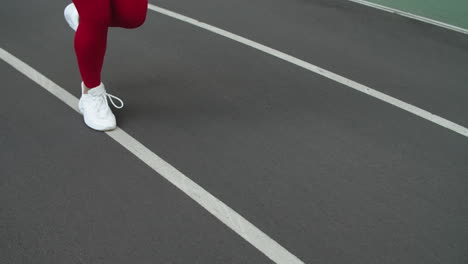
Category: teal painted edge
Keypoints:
(413, 16)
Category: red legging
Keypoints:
(96, 16)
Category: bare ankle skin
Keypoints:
(86, 89)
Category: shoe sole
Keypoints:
(68, 17)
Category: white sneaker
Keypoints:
(72, 16)
(95, 109)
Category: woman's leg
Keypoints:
(91, 38)
(128, 13)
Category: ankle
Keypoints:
(86, 88)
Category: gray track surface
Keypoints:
(70, 195)
(416, 62)
(331, 174)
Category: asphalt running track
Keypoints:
(331, 174)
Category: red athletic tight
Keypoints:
(96, 16)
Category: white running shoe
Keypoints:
(72, 16)
(95, 109)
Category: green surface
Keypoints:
(454, 12)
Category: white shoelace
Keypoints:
(99, 100)
(111, 97)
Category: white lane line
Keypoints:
(313, 68)
(412, 16)
(224, 213)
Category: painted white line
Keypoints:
(224, 213)
(412, 16)
(313, 68)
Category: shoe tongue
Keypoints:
(100, 90)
